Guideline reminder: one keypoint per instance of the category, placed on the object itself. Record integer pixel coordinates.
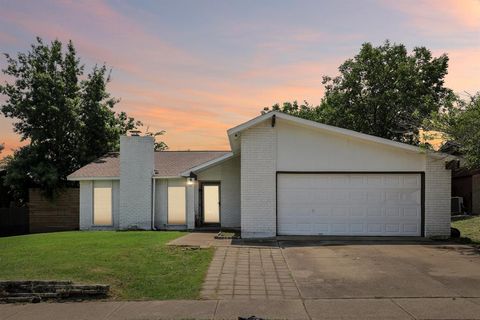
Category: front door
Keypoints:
(211, 203)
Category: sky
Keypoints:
(196, 68)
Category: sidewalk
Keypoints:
(207, 240)
(411, 308)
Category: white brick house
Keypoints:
(283, 176)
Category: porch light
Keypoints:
(191, 178)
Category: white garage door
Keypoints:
(349, 204)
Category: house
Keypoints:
(466, 184)
(283, 176)
(465, 181)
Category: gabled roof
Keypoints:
(167, 164)
(208, 164)
(234, 132)
(174, 163)
(107, 166)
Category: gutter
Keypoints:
(207, 164)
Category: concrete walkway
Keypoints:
(418, 308)
(207, 240)
(249, 273)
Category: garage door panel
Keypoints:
(375, 212)
(349, 204)
(357, 228)
(410, 228)
(412, 212)
(375, 228)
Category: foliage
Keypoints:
(5, 194)
(460, 125)
(383, 91)
(304, 110)
(137, 265)
(158, 145)
(68, 121)
(101, 127)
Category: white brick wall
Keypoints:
(257, 172)
(136, 170)
(437, 198)
(258, 205)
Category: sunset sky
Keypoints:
(196, 68)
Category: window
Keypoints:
(102, 203)
(177, 213)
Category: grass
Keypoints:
(137, 265)
(469, 228)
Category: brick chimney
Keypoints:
(136, 170)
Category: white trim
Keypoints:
(440, 155)
(91, 178)
(208, 164)
(167, 177)
(354, 134)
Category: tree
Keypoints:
(383, 91)
(158, 145)
(460, 125)
(68, 121)
(2, 146)
(101, 126)
(304, 110)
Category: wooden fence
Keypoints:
(59, 214)
(13, 221)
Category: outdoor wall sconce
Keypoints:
(191, 178)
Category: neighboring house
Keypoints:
(466, 184)
(465, 181)
(283, 176)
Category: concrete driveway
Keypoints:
(350, 270)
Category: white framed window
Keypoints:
(102, 203)
(177, 206)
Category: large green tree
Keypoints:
(100, 125)
(383, 91)
(460, 126)
(67, 117)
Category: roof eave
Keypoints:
(70, 178)
(233, 132)
(207, 164)
(167, 177)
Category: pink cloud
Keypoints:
(464, 70)
(7, 38)
(438, 17)
(112, 37)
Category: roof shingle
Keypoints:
(167, 164)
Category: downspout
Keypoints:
(153, 204)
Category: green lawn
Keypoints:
(469, 228)
(137, 265)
